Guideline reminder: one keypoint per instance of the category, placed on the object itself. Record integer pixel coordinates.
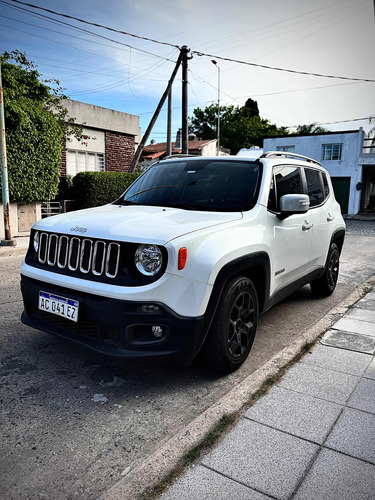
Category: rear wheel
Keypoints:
(325, 285)
(232, 333)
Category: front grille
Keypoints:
(86, 328)
(96, 257)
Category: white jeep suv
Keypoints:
(186, 259)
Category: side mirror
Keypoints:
(293, 204)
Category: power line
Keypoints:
(198, 53)
(300, 90)
(369, 118)
(56, 21)
(238, 61)
(95, 24)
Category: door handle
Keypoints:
(306, 226)
(330, 218)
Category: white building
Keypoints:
(348, 156)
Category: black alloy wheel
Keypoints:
(326, 284)
(233, 329)
(241, 324)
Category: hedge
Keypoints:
(92, 189)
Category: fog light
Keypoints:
(157, 331)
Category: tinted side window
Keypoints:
(314, 187)
(325, 184)
(286, 180)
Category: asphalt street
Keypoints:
(74, 422)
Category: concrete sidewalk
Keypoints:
(22, 244)
(312, 437)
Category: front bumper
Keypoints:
(116, 327)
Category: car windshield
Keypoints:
(225, 185)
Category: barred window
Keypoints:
(332, 151)
(83, 161)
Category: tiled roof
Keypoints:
(161, 147)
(152, 156)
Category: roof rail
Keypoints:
(287, 154)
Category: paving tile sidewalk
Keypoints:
(312, 437)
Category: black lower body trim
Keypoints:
(116, 327)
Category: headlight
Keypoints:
(36, 241)
(148, 259)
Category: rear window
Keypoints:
(325, 184)
(314, 187)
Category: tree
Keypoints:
(240, 127)
(252, 106)
(36, 124)
(311, 128)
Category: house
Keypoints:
(349, 157)
(109, 139)
(157, 151)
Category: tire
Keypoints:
(233, 329)
(325, 285)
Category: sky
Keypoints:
(129, 74)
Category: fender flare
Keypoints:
(254, 266)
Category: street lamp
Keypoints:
(218, 106)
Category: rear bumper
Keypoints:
(116, 327)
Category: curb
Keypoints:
(19, 249)
(12, 251)
(148, 473)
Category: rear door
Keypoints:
(320, 215)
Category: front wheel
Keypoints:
(233, 329)
(325, 285)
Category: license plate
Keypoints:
(61, 306)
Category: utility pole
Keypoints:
(218, 106)
(141, 145)
(169, 125)
(185, 130)
(4, 174)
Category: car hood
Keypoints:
(138, 224)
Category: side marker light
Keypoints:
(182, 257)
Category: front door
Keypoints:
(291, 237)
(368, 189)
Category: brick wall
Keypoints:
(119, 151)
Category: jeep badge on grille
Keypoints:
(78, 229)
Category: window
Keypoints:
(286, 180)
(289, 149)
(332, 151)
(314, 187)
(82, 161)
(325, 183)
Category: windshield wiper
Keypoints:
(126, 202)
(186, 206)
(153, 188)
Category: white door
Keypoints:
(291, 238)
